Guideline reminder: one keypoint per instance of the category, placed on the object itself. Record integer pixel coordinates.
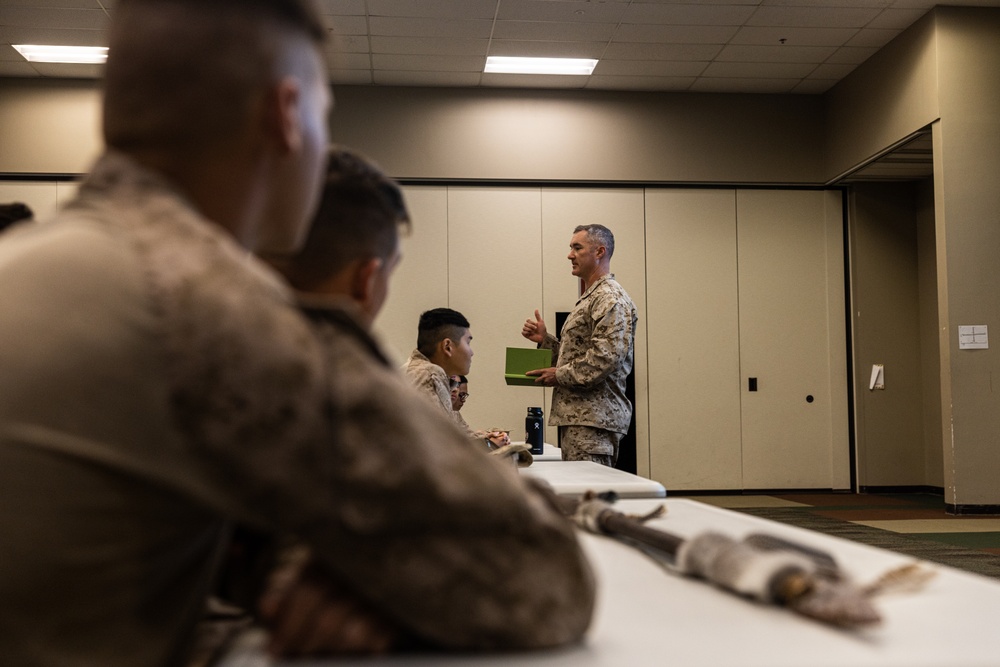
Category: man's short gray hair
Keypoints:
(601, 234)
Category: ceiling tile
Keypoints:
(528, 81)
(454, 79)
(550, 30)
(748, 45)
(430, 46)
(832, 71)
(652, 83)
(32, 17)
(542, 49)
(69, 71)
(403, 63)
(576, 11)
(349, 61)
(436, 9)
(873, 37)
(758, 70)
(346, 25)
(350, 77)
(741, 85)
(813, 86)
(854, 55)
(649, 68)
(18, 69)
(348, 44)
(687, 14)
(831, 4)
(775, 54)
(342, 7)
(813, 17)
(661, 34)
(9, 35)
(794, 36)
(896, 19)
(644, 51)
(399, 27)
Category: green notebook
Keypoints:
(520, 360)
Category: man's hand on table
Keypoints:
(308, 613)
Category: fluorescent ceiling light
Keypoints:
(40, 53)
(511, 65)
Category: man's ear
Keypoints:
(446, 346)
(363, 283)
(282, 117)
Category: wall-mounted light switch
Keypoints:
(878, 377)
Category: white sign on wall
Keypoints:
(973, 337)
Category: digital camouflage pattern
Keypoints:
(431, 380)
(158, 383)
(593, 357)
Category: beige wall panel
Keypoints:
(49, 126)
(495, 280)
(837, 357)
(42, 198)
(584, 135)
(421, 281)
(966, 168)
(930, 355)
(53, 126)
(694, 373)
(621, 211)
(886, 307)
(888, 97)
(784, 340)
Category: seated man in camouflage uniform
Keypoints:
(158, 384)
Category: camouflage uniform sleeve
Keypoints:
(550, 342)
(446, 540)
(300, 436)
(605, 349)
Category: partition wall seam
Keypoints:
(739, 346)
(645, 324)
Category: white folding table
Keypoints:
(574, 478)
(647, 615)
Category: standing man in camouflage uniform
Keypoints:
(593, 355)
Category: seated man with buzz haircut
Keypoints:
(444, 348)
(159, 385)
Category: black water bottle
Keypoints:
(534, 435)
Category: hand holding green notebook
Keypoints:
(520, 360)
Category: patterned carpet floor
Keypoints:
(913, 524)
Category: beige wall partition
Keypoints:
(42, 197)
(892, 250)
(792, 339)
(749, 289)
(49, 126)
(967, 202)
(889, 97)
(694, 357)
(52, 127)
(495, 278)
(421, 280)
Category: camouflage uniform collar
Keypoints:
(606, 277)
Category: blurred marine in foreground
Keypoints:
(159, 383)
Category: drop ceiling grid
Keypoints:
(800, 46)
